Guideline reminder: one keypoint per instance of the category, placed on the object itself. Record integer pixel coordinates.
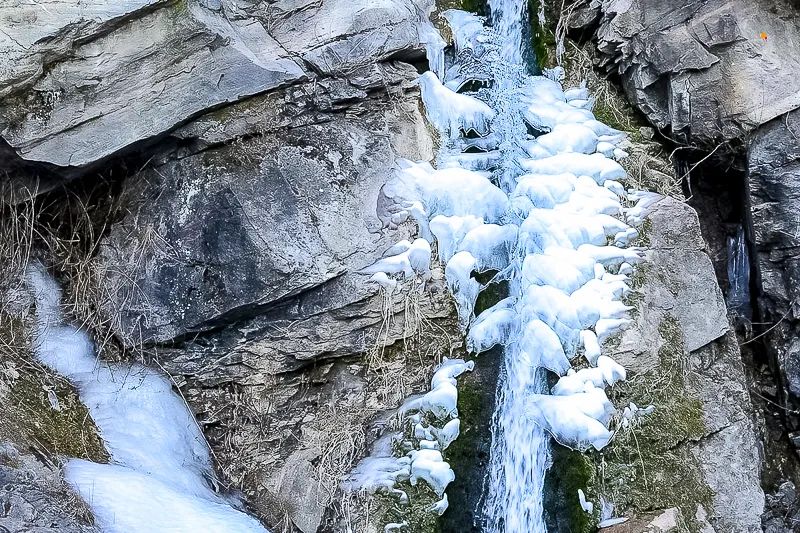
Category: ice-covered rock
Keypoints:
(453, 112)
(161, 474)
(429, 466)
(494, 326)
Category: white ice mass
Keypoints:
(549, 215)
(160, 473)
(431, 423)
(527, 188)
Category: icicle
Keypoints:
(738, 298)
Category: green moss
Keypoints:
(490, 295)
(644, 233)
(570, 471)
(416, 513)
(542, 38)
(27, 416)
(66, 431)
(475, 407)
(646, 467)
(606, 115)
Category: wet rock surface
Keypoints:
(774, 190)
(783, 510)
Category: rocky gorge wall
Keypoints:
(718, 80)
(247, 143)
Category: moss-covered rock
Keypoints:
(570, 471)
(40, 409)
(647, 467)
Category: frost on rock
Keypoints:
(607, 518)
(380, 471)
(415, 260)
(450, 231)
(467, 30)
(161, 471)
(429, 466)
(494, 326)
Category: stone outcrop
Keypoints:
(774, 193)
(81, 81)
(258, 136)
(238, 226)
(705, 71)
(35, 498)
(714, 75)
(698, 451)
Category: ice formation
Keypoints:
(549, 215)
(160, 475)
(428, 425)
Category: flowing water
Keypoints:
(526, 186)
(520, 450)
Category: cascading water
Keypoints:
(508, 19)
(545, 213)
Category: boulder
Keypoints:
(706, 71)
(699, 448)
(84, 81)
(237, 228)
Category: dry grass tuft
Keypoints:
(63, 230)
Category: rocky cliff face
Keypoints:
(718, 79)
(254, 139)
(699, 451)
(248, 142)
(773, 178)
(705, 71)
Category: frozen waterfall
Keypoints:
(546, 213)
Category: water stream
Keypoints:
(526, 187)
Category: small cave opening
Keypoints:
(716, 186)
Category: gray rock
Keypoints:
(337, 36)
(241, 227)
(689, 292)
(150, 73)
(83, 82)
(774, 187)
(34, 498)
(701, 68)
(679, 284)
(783, 510)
